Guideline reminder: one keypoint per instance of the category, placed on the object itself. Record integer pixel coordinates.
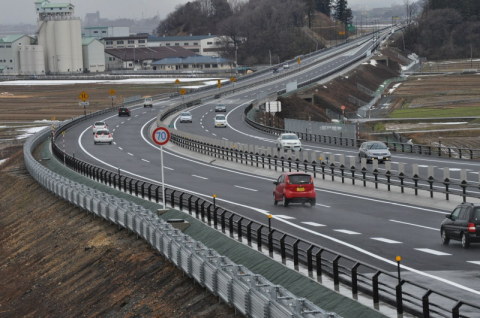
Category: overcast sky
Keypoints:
(23, 11)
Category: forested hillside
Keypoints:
(446, 29)
(262, 31)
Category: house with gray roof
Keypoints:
(206, 45)
(193, 63)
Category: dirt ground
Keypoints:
(58, 261)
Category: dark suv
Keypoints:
(462, 224)
(123, 111)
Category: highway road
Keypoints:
(370, 229)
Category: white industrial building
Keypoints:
(61, 37)
(93, 55)
(10, 47)
(206, 45)
(106, 32)
(32, 60)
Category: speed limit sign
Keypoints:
(161, 136)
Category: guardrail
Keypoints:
(250, 294)
(405, 295)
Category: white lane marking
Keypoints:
(168, 168)
(474, 262)
(347, 232)
(206, 130)
(422, 166)
(136, 115)
(113, 129)
(385, 240)
(283, 217)
(249, 189)
(200, 177)
(313, 224)
(122, 122)
(298, 226)
(129, 119)
(130, 154)
(144, 112)
(120, 148)
(412, 224)
(114, 143)
(214, 134)
(433, 252)
(203, 127)
(146, 160)
(117, 126)
(224, 138)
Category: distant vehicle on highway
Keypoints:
(463, 224)
(289, 141)
(294, 187)
(220, 121)
(185, 117)
(102, 136)
(374, 150)
(220, 108)
(148, 102)
(286, 66)
(123, 111)
(99, 125)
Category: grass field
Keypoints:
(435, 112)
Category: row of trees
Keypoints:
(262, 31)
(446, 29)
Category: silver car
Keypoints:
(374, 150)
(289, 141)
(186, 117)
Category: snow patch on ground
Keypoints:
(2, 161)
(27, 132)
(207, 81)
(373, 62)
(394, 87)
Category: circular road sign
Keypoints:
(161, 136)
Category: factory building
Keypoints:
(60, 36)
(10, 47)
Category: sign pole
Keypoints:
(163, 179)
(161, 136)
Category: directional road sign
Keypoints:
(83, 96)
(161, 136)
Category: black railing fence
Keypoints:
(405, 295)
(427, 150)
(333, 171)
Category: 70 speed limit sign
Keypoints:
(161, 136)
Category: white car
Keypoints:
(289, 141)
(185, 117)
(103, 136)
(148, 102)
(220, 121)
(99, 125)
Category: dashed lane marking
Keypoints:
(433, 252)
(200, 177)
(120, 148)
(313, 224)
(284, 217)
(145, 160)
(249, 189)
(474, 262)
(417, 225)
(347, 232)
(385, 240)
(131, 154)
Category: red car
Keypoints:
(293, 187)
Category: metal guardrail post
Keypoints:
(415, 181)
(318, 261)
(376, 294)
(332, 169)
(375, 174)
(426, 304)
(202, 210)
(355, 278)
(283, 250)
(230, 224)
(401, 176)
(157, 194)
(463, 184)
(215, 217)
(388, 174)
(336, 271)
(399, 297)
(222, 221)
(295, 253)
(310, 258)
(249, 233)
(259, 237)
(446, 182)
(456, 310)
(239, 229)
(270, 241)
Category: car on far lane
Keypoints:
(123, 111)
(220, 108)
(289, 141)
(463, 224)
(99, 125)
(185, 117)
(102, 136)
(148, 102)
(220, 121)
(294, 187)
(374, 150)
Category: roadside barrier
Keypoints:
(405, 295)
(250, 294)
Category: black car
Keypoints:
(123, 111)
(462, 224)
